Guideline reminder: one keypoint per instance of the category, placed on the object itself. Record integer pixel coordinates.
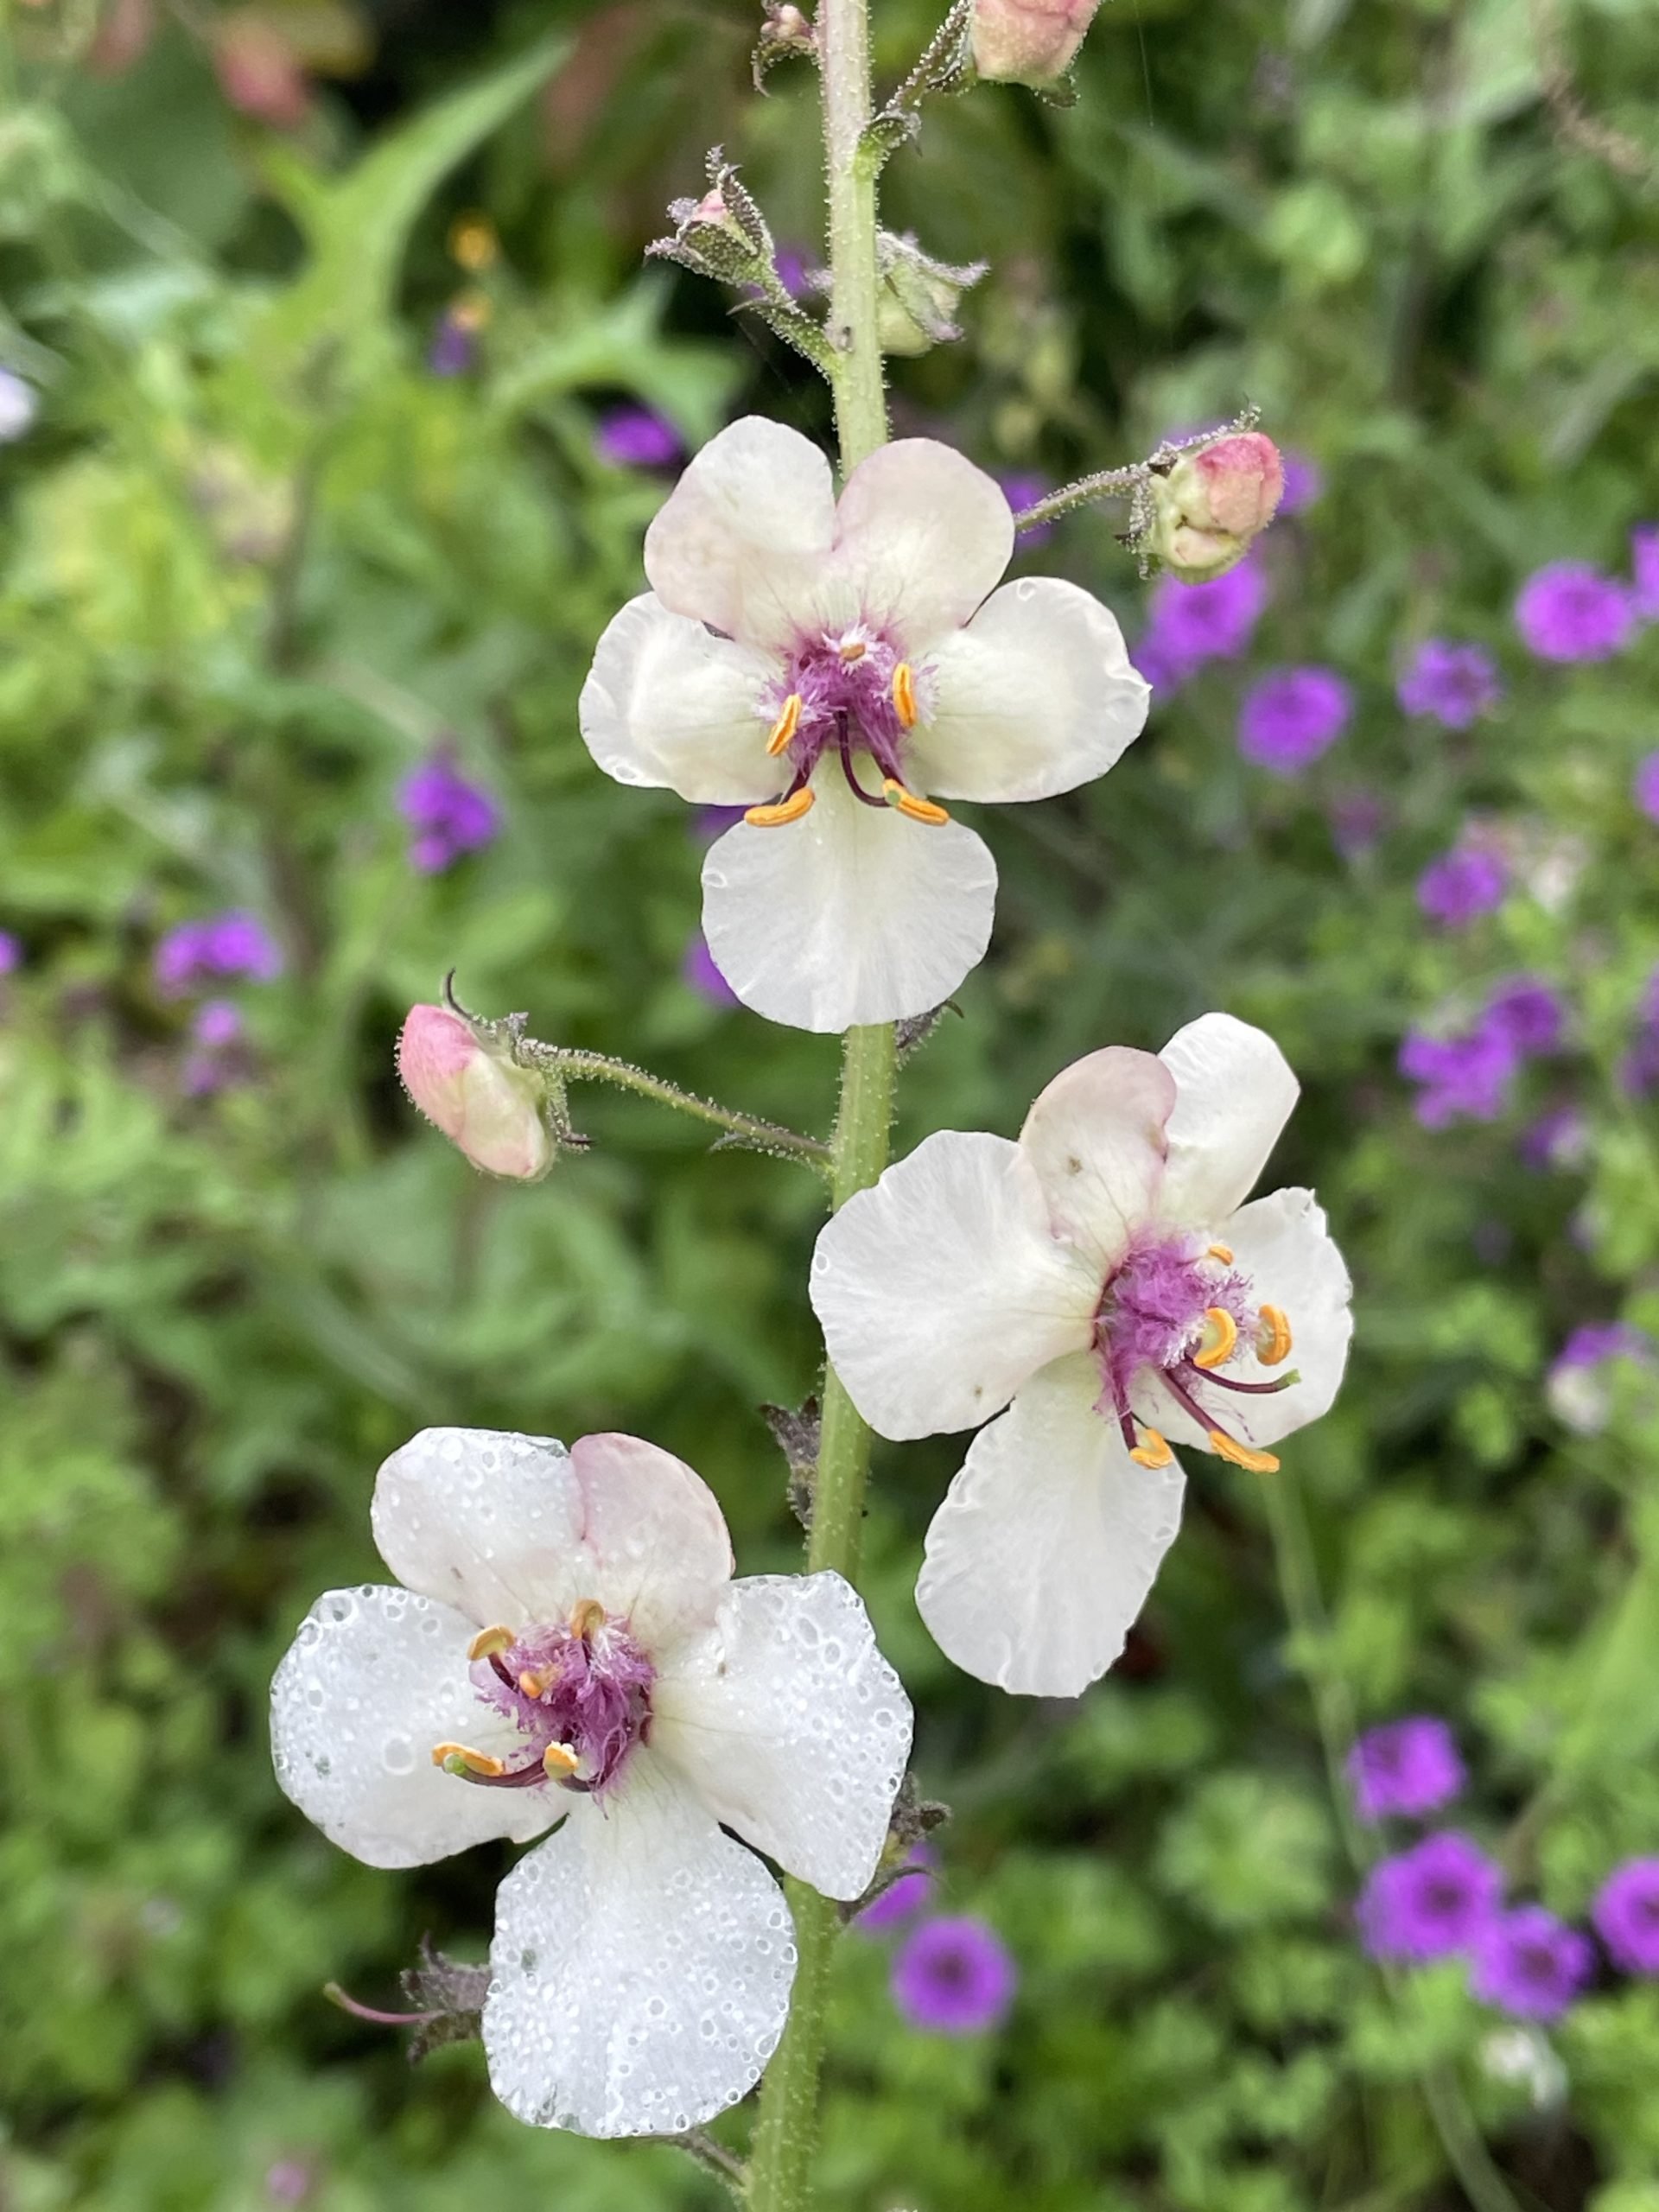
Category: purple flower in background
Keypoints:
(1292, 715)
(449, 815)
(1357, 821)
(1023, 490)
(1626, 1915)
(955, 1976)
(1455, 684)
(638, 437)
(1527, 1012)
(1559, 1138)
(1531, 1964)
(1408, 1767)
(1429, 1902)
(1578, 1387)
(233, 943)
(1570, 611)
(11, 953)
(1462, 884)
(289, 2181)
(906, 1898)
(1638, 1071)
(792, 271)
(454, 345)
(217, 1023)
(1463, 1079)
(1189, 624)
(698, 969)
(1644, 570)
(709, 822)
(1645, 788)
(1304, 482)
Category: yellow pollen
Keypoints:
(903, 694)
(852, 649)
(1240, 1455)
(472, 241)
(1153, 1450)
(785, 725)
(459, 1759)
(470, 312)
(533, 1685)
(491, 1642)
(1222, 1252)
(1220, 1334)
(1272, 1336)
(559, 1758)
(919, 810)
(586, 1615)
(788, 809)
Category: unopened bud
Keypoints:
(916, 305)
(259, 72)
(463, 1077)
(1028, 41)
(1213, 504)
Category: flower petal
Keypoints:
(744, 537)
(1095, 1138)
(517, 1529)
(641, 1966)
(790, 1726)
(943, 1288)
(921, 537)
(852, 914)
(374, 1679)
(1281, 1242)
(1047, 1543)
(1234, 1094)
(1036, 696)
(668, 704)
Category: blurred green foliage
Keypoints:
(258, 559)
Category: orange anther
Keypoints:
(1153, 1451)
(785, 728)
(491, 1642)
(559, 1759)
(1222, 1252)
(587, 1615)
(1241, 1455)
(788, 809)
(535, 1684)
(919, 810)
(1220, 1334)
(460, 1758)
(852, 649)
(903, 695)
(1272, 1336)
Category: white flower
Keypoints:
(568, 1645)
(1104, 1273)
(18, 406)
(842, 665)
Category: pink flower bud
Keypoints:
(1028, 41)
(259, 71)
(1213, 502)
(468, 1084)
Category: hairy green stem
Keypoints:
(745, 1129)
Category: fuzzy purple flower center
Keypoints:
(846, 692)
(579, 1695)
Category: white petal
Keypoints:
(1281, 1243)
(515, 1529)
(1234, 1094)
(790, 1726)
(1095, 1138)
(853, 914)
(1047, 1543)
(922, 536)
(668, 704)
(641, 1967)
(745, 536)
(374, 1679)
(1036, 696)
(943, 1288)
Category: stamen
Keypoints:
(490, 1641)
(458, 1758)
(1153, 1451)
(1222, 1252)
(785, 728)
(852, 649)
(919, 810)
(903, 695)
(532, 1684)
(587, 1615)
(559, 1760)
(788, 809)
(1241, 1455)
(1220, 1334)
(1272, 1336)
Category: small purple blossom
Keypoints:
(217, 1024)
(1304, 482)
(1190, 623)
(1578, 1385)
(1023, 489)
(697, 969)
(1528, 1012)
(1468, 881)
(794, 273)
(908, 1896)
(1430, 1902)
(1626, 1915)
(1357, 821)
(1291, 716)
(1645, 787)
(1452, 684)
(709, 822)
(1644, 570)
(954, 1976)
(288, 2182)
(11, 953)
(1593, 1341)
(1463, 1079)
(1638, 1071)
(450, 815)
(1531, 1964)
(1569, 611)
(1406, 1767)
(454, 343)
(1559, 1138)
(225, 945)
(638, 437)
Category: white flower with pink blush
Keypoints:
(1104, 1273)
(568, 1646)
(838, 669)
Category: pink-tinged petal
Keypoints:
(791, 1727)
(641, 1967)
(743, 538)
(941, 1290)
(1234, 1094)
(1048, 1540)
(1035, 696)
(852, 914)
(921, 537)
(516, 1530)
(1095, 1138)
(469, 1086)
(373, 1681)
(669, 704)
